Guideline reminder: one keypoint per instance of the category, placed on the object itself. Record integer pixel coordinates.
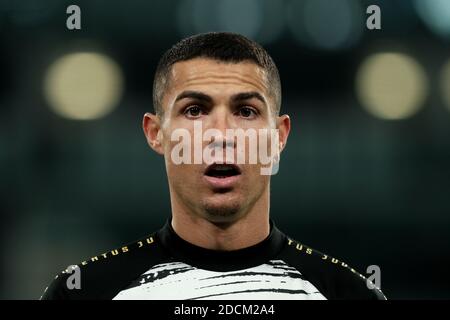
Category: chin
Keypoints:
(222, 211)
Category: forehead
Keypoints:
(204, 74)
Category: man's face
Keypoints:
(219, 96)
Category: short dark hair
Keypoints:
(221, 46)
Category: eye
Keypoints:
(193, 111)
(247, 112)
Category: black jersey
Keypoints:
(164, 266)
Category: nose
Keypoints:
(221, 119)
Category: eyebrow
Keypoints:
(247, 96)
(194, 95)
(206, 98)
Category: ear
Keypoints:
(284, 127)
(151, 124)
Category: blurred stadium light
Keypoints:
(322, 24)
(436, 15)
(83, 86)
(197, 16)
(391, 86)
(445, 84)
(259, 20)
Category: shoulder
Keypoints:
(334, 278)
(103, 275)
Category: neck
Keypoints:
(251, 228)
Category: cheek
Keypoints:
(178, 143)
(253, 176)
(177, 172)
(184, 174)
(178, 176)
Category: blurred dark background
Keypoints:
(365, 176)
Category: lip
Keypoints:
(222, 183)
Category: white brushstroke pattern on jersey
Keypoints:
(177, 280)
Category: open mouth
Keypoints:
(222, 170)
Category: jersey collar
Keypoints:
(219, 260)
